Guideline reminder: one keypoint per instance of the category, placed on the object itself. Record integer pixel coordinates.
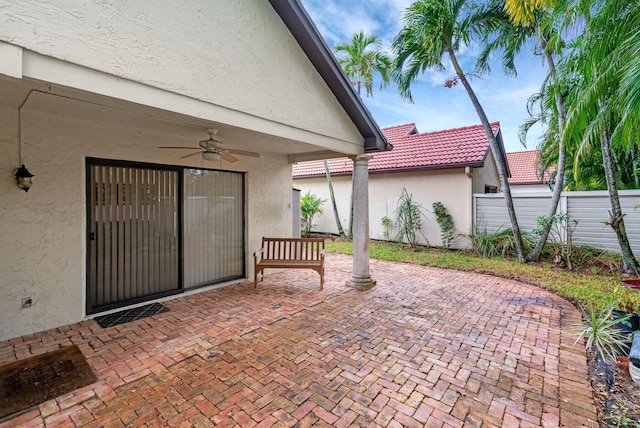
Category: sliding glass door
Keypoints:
(213, 226)
(155, 230)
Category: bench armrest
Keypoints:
(322, 254)
(259, 252)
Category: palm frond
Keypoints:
(361, 58)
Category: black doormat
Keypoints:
(26, 383)
(130, 315)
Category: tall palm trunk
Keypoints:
(562, 161)
(495, 150)
(616, 217)
(333, 201)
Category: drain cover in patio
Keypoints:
(31, 381)
(129, 315)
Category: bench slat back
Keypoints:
(293, 248)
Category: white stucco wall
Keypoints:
(342, 190)
(486, 175)
(42, 232)
(115, 80)
(451, 187)
(237, 54)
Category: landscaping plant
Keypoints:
(445, 221)
(386, 226)
(561, 228)
(600, 332)
(310, 207)
(408, 220)
(498, 243)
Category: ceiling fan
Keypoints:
(213, 149)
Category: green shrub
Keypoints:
(595, 259)
(408, 222)
(498, 243)
(445, 221)
(310, 207)
(561, 227)
(600, 331)
(387, 224)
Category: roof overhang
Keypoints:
(303, 29)
(460, 166)
(32, 81)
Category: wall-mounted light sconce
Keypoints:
(23, 177)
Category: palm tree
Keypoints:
(523, 12)
(360, 58)
(597, 94)
(434, 29)
(600, 124)
(605, 111)
(533, 18)
(585, 171)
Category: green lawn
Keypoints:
(583, 289)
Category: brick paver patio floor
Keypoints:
(425, 347)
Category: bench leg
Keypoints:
(258, 275)
(321, 272)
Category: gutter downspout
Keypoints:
(471, 201)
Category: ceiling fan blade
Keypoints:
(228, 157)
(243, 153)
(172, 147)
(190, 155)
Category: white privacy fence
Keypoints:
(590, 209)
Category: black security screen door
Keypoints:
(133, 233)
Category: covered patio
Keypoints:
(426, 347)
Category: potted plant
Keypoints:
(626, 312)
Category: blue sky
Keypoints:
(435, 107)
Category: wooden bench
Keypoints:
(289, 253)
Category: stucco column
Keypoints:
(360, 277)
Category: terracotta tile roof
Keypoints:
(524, 168)
(451, 148)
(395, 132)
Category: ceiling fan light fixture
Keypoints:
(213, 150)
(211, 156)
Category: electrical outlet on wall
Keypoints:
(27, 302)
